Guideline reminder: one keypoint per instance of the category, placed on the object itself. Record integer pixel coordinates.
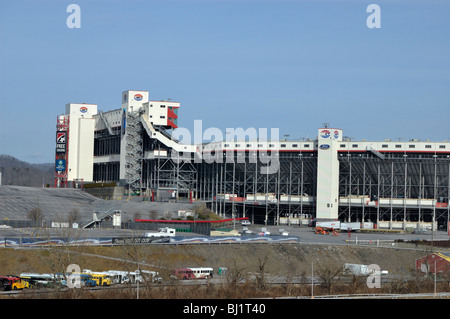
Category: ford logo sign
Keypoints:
(324, 146)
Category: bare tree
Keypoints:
(329, 276)
(73, 215)
(137, 215)
(153, 214)
(35, 214)
(236, 273)
(261, 262)
(289, 271)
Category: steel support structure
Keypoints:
(390, 183)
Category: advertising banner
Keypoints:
(60, 165)
(61, 141)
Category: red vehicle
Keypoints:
(15, 282)
(193, 273)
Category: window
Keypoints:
(384, 146)
(306, 145)
(271, 145)
(398, 146)
(354, 145)
(249, 145)
(260, 145)
(226, 145)
(427, 146)
(342, 145)
(294, 145)
(162, 106)
(283, 145)
(412, 146)
(162, 117)
(441, 146)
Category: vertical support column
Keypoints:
(435, 190)
(233, 191)
(328, 174)
(405, 196)
(448, 202)
(245, 188)
(290, 193)
(278, 197)
(392, 194)
(301, 189)
(378, 194)
(349, 191)
(364, 193)
(420, 192)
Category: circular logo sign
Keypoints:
(325, 134)
(83, 109)
(138, 97)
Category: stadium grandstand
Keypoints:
(391, 183)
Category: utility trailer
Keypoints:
(361, 270)
(337, 225)
(163, 232)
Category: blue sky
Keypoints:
(287, 64)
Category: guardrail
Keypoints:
(371, 242)
(439, 295)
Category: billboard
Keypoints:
(60, 165)
(61, 141)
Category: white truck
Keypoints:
(163, 232)
(362, 270)
(342, 226)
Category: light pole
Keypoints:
(137, 281)
(312, 280)
(138, 276)
(434, 257)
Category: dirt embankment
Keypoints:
(276, 259)
(281, 259)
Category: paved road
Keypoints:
(305, 234)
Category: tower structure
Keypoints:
(328, 173)
(74, 155)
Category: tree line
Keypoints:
(20, 173)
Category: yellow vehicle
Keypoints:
(26, 281)
(101, 279)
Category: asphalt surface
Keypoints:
(305, 234)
